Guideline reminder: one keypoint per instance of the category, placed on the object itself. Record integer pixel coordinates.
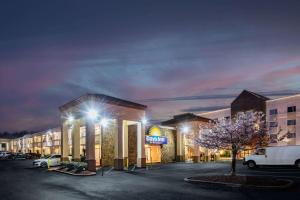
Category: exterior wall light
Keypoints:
(70, 119)
(144, 121)
(92, 114)
(185, 129)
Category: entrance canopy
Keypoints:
(105, 105)
(103, 129)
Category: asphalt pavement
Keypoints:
(19, 180)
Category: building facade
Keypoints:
(187, 128)
(281, 115)
(107, 131)
(43, 143)
(283, 118)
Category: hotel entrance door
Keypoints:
(153, 153)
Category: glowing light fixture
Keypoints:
(185, 129)
(70, 118)
(92, 114)
(144, 121)
(104, 122)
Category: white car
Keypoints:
(277, 155)
(4, 154)
(47, 161)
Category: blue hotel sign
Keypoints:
(156, 140)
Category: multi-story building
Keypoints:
(281, 115)
(283, 118)
(44, 143)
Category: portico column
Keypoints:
(196, 156)
(118, 161)
(33, 144)
(64, 142)
(90, 146)
(125, 142)
(141, 157)
(179, 146)
(76, 141)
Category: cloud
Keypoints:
(220, 96)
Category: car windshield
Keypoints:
(47, 156)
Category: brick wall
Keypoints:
(108, 144)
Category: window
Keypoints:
(291, 122)
(260, 152)
(273, 112)
(291, 109)
(227, 118)
(291, 135)
(273, 137)
(273, 124)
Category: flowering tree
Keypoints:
(247, 128)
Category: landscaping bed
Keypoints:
(241, 181)
(73, 168)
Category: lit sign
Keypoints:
(154, 131)
(156, 140)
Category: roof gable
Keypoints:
(104, 99)
(247, 93)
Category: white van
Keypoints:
(279, 155)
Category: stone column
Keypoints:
(90, 146)
(141, 157)
(76, 141)
(33, 144)
(118, 161)
(125, 142)
(64, 142)
(179, 146)
(196, 156)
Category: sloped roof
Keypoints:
(104, 99)
(253, 94)
(183, 118)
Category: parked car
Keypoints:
(6, 156)
(277, 155)
(52, 160)
(19, 156)
(32, 155)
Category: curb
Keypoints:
(73, 174)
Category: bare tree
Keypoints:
(247, 128)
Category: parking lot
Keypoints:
(20, 181)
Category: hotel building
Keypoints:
(44, 143)
(108, 131)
